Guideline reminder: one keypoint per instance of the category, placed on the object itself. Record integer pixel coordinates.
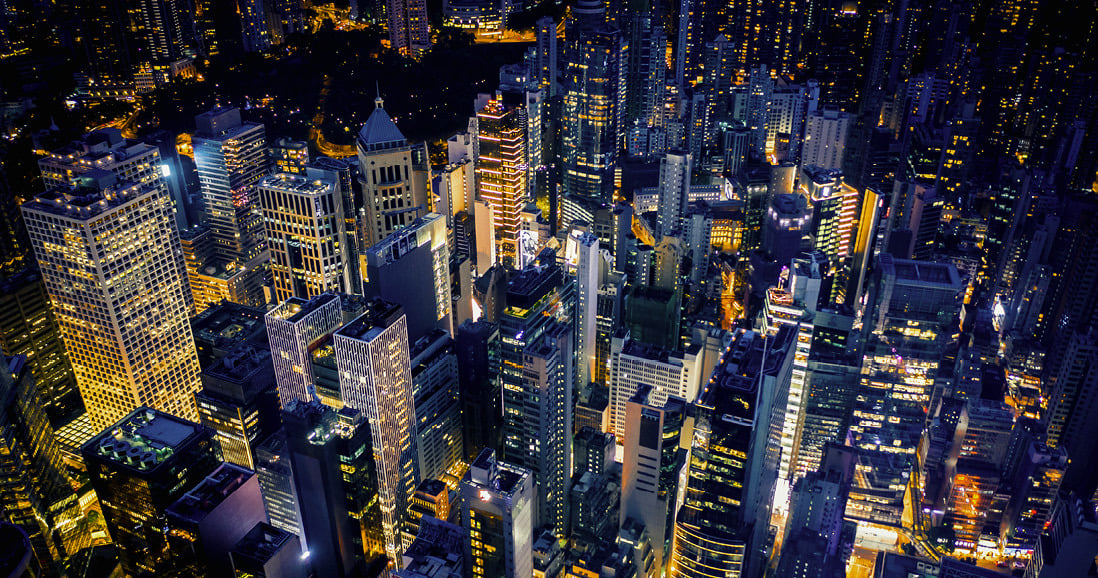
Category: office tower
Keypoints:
(588, 265)
(206, 522)
(501, 174)
(913, 304)
(224, 327)
(608, 318)
(290, 156)
(759, 91)
(1068, 419)
(545, 66)
(1067, 545)
(109, 257)
(652, 316)
(788, 221)
(276, 479)
(818, 500)
(537, 409)
(409, 32)
(295, 329)
(478, 378)
(1036, 485)
(733, 463)
(674, 191)
(431, 500)
(255, 33)
(590, 114)
(239, 402)
(651, 467)
(306, 236)
(829, 400)
(105, 149)
(163, 31)
(38, 497)
(834, 209)
(825, 139)
(497, 511)
(437, 552)
(268, 551)
(634, 364)
(231, 157)
(435, 392)
(394, 178)
(411, 267)
(375, 378)
(139, 466)
(329, 453)
(218, 27)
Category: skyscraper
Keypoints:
(231, 157)
(375, 378)
(295, 329)
(635, 365)
(498, 512)
(139, 467)
(411, 267)
(409, 32)
(306, 235)
(239, 401)
(590, 115)
(110, 261)
(675, 171)
(394, 178)
(825, 139)
(588, 275)
(501, 174)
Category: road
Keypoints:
(316, 135)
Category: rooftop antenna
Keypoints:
(378, 102)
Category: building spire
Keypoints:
(378, 102)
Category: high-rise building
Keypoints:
(825, 139)
(206, 522)
(268, 551)
(634, 364)
(375, 378)
(290, 156)
(721, 526)
(652, 466)
(675, 171)
(1067, 421)
(329, 453)
(498, 513)
(409, 31)
(239, 401)
(546, 65)
(38, 497)
(537, 409)
(590, 113)
(140, 466)
(818, 500)
(394, 178)
(295, 329)
(436, 396)
(276, 479)
(231, 157)
(478, 378)
(913, 305)
(110, 261)
(589, 262)
(501, 175)
(306, 235)
(411, 267)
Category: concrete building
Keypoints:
(497, 512)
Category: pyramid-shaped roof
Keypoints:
(380, 131)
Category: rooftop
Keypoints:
(379, 315)
(210, 492)
(227, 322)
(295, 184)
(380, 132)
(262, 542)
(921, 272)
(84, 203)
(296, 309)
(143, 440)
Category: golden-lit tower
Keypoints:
(501, 174)
(110, 259)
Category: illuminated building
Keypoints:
(437, 552)
(545, 66)
(409, 31)
(140, 466)
(435, 393)
(276, 479)
(587, 275)
(375, 378)
(1071, 408)
(497, 511)
(394, 178)
(431, 500)
(652, 466)
(206, 522)
(37, 497)
(471, 14)
(296, 329)
(674, 192)
(501, 173)
(788, 220)
(590, 114)
(239, 402)
(1036, 485)
(535, 351)
(608, 317)
(825, 139)
(818, 500)
(105, 149)
(329, 453)
(754, 191)
(913, 305)
(231, 157)
(411, 267)
(290, 156)
(212, 278)
(111, 264)
(225, 326)
(306, 235)
(721, 527)
(634, 364)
